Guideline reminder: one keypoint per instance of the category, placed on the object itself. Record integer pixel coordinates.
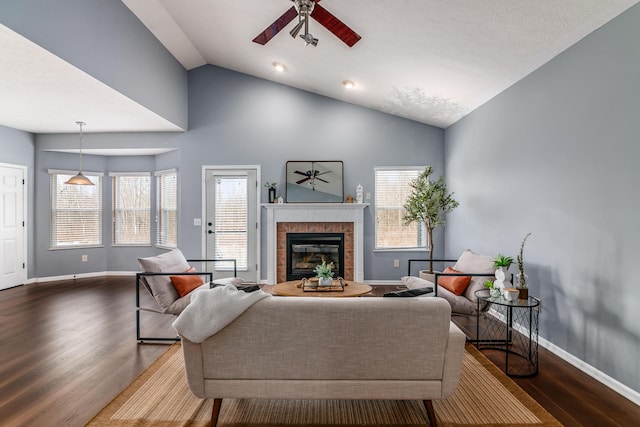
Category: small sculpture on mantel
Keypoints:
(359, 198)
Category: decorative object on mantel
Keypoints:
(271, 186)
(502, 264)
(427, 202)
(521, 277)
(314, 181)
(349, 199)
(359, 190)
(281, 200)
(79, 178)
(324, 274)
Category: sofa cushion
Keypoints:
(471, 262)
(160, 286)
(455, 284)
(459, 303)
(186, 284)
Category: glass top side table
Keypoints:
(509, 326)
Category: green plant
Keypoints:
(427, 202)
(324, 269)
(488, 284)
(520, 260)
(502, 261)
(270, 184)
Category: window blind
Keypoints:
(76, 211)
(167, 208)
(131, 209)
(391, 192)
(231, 216)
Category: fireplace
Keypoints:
(307, 250)
(285, 218)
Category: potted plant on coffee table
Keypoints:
(427, 203)
(324, 273)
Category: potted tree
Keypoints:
(427, 202)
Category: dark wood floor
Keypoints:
(68, 348)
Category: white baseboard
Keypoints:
(594, 373)
(79, 276)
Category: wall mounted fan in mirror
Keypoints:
(314, 181)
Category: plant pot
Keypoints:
(431, 277)
(502, 278)
(523, 293)
(272, 195)
(325, 281)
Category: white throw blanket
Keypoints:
(210, 310)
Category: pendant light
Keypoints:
(80, 179)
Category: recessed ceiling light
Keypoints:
(348, 84)
(279, 67)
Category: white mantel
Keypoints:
(315, 212)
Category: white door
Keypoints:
(13, 268)
(231, 220)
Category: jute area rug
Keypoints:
(161, 397)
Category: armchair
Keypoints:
(156, 278)
(479, 267)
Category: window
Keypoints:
(76, 211)
(230, 221)
(131, 208)
(392, 190)
(167, 208)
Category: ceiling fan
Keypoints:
(311, 176)
(303, 9)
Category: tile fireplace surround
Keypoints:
(347, 218)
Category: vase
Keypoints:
(502, 278)
(325, 281)
(521, 285)
(272, 195)
(495, 292)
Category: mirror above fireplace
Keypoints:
(314, 181)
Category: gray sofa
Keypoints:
(331, 348)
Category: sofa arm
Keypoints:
(452, 360)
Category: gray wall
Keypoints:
(17, 148)
(557, 155)
(106, 40)
(238, 119)
(235, 119)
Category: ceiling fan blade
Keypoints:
(277, 25)
(302, 173)
(336, 26)
(303, 180)
(323, 180)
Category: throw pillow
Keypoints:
(413, 282)
(186, 284)
(455, 284)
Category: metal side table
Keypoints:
(509, 326)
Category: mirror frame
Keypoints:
(328, 185)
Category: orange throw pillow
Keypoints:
(455, 284)
(185, 284)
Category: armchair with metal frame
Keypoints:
(179, 305)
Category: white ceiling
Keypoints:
(432, 61)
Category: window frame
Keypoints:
(97, 179)
(421, 227)
(114, 207)
(160, 219)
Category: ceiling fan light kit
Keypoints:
(304, 9)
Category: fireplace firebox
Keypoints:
(307, 250)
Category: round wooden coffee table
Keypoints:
(291, 289)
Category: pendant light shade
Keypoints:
(79, 178)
